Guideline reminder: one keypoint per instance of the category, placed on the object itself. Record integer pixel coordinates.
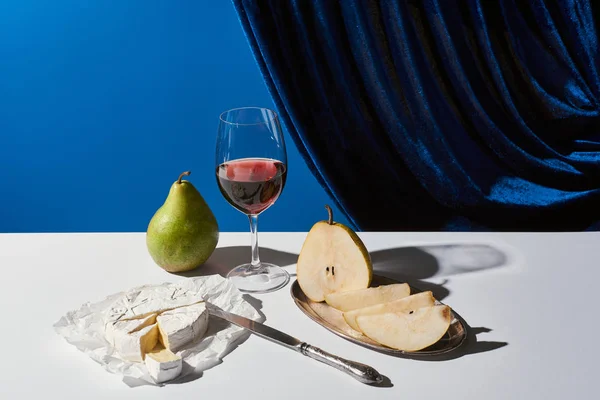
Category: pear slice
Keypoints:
(355, 299)
(407, 331)
(332, 259)
(407, 304)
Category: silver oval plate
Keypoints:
(332, 320)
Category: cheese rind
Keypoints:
(182, 325)
(144, 301)
(162, 364)
(113, 330)
(133, 346)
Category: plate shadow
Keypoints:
(472, 345)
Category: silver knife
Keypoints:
(361, 372)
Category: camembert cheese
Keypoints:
(182, 325)
(133, 346)
(115, 330)
(143, 329)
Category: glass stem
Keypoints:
(253, 218)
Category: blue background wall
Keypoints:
(104, 103)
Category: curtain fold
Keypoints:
(440, 114)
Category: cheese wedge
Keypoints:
(133, 346)
(162, 364)
(125, 327)
(182, 325)
(407, 304)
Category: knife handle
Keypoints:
(361, 372)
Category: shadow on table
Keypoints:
(438, 260)
(215, 325)
(413, 264)
(472, 345)
(406, 264)
(410, 264)
(402, 263)
(224, 259)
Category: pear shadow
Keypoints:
(409, 264)
(215, 325)
(455, 259)
(224, 259)
(404, 263)
(424, 262)
(413, 264)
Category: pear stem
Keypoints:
(186, 173)
(330, 221)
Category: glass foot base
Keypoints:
(267, 278)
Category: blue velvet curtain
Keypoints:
(440, 114)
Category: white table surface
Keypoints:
(533, 312)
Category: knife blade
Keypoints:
(358, 371)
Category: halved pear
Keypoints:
(355, 299)
(407, 331)
(407, 304)
(332, 259)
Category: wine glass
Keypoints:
(251, 169)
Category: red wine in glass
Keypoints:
(251, 168)
(251, 185)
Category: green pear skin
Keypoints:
(183, 233)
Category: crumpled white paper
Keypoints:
(84, 328)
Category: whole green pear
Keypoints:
(183, 233)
